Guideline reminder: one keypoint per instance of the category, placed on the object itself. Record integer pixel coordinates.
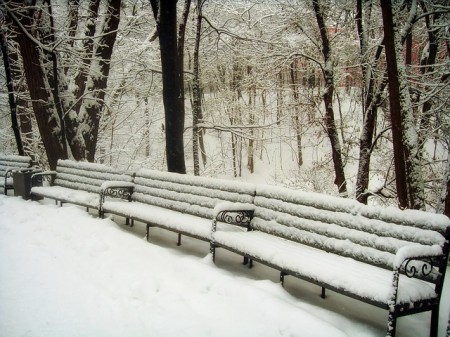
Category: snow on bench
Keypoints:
(177, 202)
(390, 258)
(8, 164)
(82, 183)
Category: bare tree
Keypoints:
(329, 120)
(10, 86)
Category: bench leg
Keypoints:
(247, 261)
(147, 232)
(322, 293)
(282, 275)
(212, 250)
(434, 322)
(132, 223)
(392, 325)
(179, 240)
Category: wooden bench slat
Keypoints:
(271, 207)
(412, 218)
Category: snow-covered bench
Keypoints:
(177, 202)
(84, 184)
(8, 164)
(386, 257)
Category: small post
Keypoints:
(147, 232)
(282, 275)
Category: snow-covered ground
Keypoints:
(64, 272)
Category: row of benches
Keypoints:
(393, 259)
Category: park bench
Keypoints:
(393, 259)
(82, 183)
(9, 164)
(178, 203)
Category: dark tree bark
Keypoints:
(11, 100)
(172, 86)
(427, 66)
(407, 169)
(93, 103)
(329, 120)
(196, 93)
(88, 49)
(447, 194)
(43, 105)
(20, 89)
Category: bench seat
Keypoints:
(317, 266)
(186, 224)
(68, 195)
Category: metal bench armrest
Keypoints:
(239, 214)
(115, 189)
(48, 175)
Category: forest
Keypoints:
(344, 97)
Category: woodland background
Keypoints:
(345, 97)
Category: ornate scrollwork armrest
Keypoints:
(234, 213)
(122, 190)
(237, 217)
(418, 266)
(417, 262)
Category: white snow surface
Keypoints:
(64, 272)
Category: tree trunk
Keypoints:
(409, 179)
(24, 113)
(196, 93)
(329, 120)
(88, 48)
(11, 100)
(296, 117)
(43, 105)
(93, 101)
(172, 86)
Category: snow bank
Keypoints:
(64, 273)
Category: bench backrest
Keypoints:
(346, 227)
(87, 176)
(9, 162)
(188, 194)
